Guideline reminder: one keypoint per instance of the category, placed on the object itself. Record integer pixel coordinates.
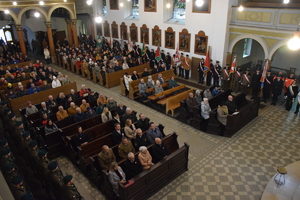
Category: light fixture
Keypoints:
(294, 43)
(199, 3)
(6, 11)
(42, 3)
(286, 1)
(168, 5)
(89, 2)
(98, 19)
(241, 8)
(65, 0)
(128, 0)
(121, 4)
(15, 3)
(37, 14)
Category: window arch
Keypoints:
(179, 8)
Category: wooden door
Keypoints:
(194, 69)
(60, 35)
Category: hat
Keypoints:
(197, 91)
(9, 84)
(205, 99)
(3, 142)
(92, 91)
(247, 69)
(207, 87)
(25, 134)
(8, 167)
(88, 108)
(3, 103)
(280, 75)
(11, 115)
(42, 153)
(257, 69)
(211, 60)
(7, 110)
(28, 102)
(222, 103)
(67, 179)
(227, 64)
(27, 196)
(269, 70)
(32, 143)
(202, 59)
(217, 61)
(17, 180)
(52, 165)
(5, 151)
(54, 77)
(18, 123)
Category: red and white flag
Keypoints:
(177, 56)
(264, 74)
(233, 66)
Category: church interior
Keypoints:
(258, 158)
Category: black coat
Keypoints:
(121, 111)
(117, 138)
(255, 81)
(268, 86)
(277, 87)
(141, 141)
(132, 169)
(144, 125)
(158, 152)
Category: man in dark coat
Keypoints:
(132, 166)
(255, 84)
(117, 134)
(190, 104)
(201, 71)
(143, 123)
(267, 86)
(216, 71)
(276, 89)
(159, 151)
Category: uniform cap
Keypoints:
(52, 165)
(11, 115)
(67, 179)
(217, 61)
(5, 151)
(205, 99)
(247, 69)
(25, 134)
(8, 167)
(3, 103)
(32, 143)
(279, 75)
(7, 110)
(269, 70)
(42, 153)
(3, 142)
(18, 123)
(9, 84)
(17, 180)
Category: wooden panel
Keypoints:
(39, 97)
(194, 69)
(18, 64)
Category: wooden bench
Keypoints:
(173, 102)
(20, 65)
(35, 98)
(248, 110)
(152, 180)
(113, 79)
(155, 97)
(133, 85)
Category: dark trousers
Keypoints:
(208, 79)
(187, 74)
(225, 84)
(204, 124)
(216, 80)
(266, 94)
(289, 103)
(255, 92)
(245, 89)
(181, 72)
(222, 129)
(201, 78)
(274, 99)
(235, 86)
(175, 70)
(297, 107)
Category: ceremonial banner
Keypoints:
(207, 62)
(177, 56)
(264, 74)
(233, 66)
(157, 54)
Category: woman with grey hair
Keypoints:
(115, 176)
(145, 158)
(158, 87)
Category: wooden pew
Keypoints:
(133, 85)
(20, 102)
(113, 79)
(152, 180)
(155, 97)
(56, 140)
(20, 65)
(85, 74)
(248, 110)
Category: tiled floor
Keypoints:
(220, 168)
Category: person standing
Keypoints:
(187, 67)
(201, 71)
(47, 55)
(205, 110)
(209, 73)
(246, 80)
(298, 104)
(237, 77)
(291, 95)
(190, 104)
(216, 70)
(181, 69)
(255, 83)
(276, 89)
(168, 61)
(287, 82)
(222, 113)
(267, 86)
(225, 77)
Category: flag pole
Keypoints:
(232, 74)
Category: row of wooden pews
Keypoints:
(20, 65)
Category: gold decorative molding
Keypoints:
(19, 27)
(271, 42)
(74, 21)
(68, 21)
(289, 18)
(264, 17)
(48, 24)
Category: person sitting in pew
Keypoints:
(216, 90)
(205, 110)
(150, 82)
(30, 109)
(154, 70)
(17, 187)
(121, 109)
(222, 113)
(55, 83)
(158, 87)
(190, 104)
(102, 99)
(159, 151)
(92, 97)
(132, 166)
(207, 93)
(44, 119)
(68, 102)
(70, 190)
(106, 157)
(141, 139)
(111, 104)
(135, 76)
(79, 116)
(50, 127)
(84, 105)
(161, 79)
(153, 133)
(125, 147)
(142, 88)
(143, 123)
(90, 112)
(231, 105)
(106, 115)
(116, 119)
(45, 109)
(61, 99)
(145, 158)
(84, 91)
(117, 134)
(51, 102)
(145, 73)
(115, 176)
(99, 108)
(198, 96)
(61, 113)
(22, 92)
(130, 130)
(33, 89)
(172, 83)
(129, 115)
(73, 94)
(80, 138)
(72, 109)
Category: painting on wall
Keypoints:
(114, 30)
(204, 8)
(201, 41)
(123, 31)
(184, 40)
(170, 38)
(133, 33)
(99, 29)
(106, 29)
(150, 5)
(145, 34)
(156, 36)
(114, 4)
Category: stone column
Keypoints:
(50, 40)
(21, 39)
(74, 32)
(92, 21)
(70, 33)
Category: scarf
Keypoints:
(224, 109)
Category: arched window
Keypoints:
(179, 9)
(135, 8)
(104, 7)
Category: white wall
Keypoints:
(291, 59)
(215, 24)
